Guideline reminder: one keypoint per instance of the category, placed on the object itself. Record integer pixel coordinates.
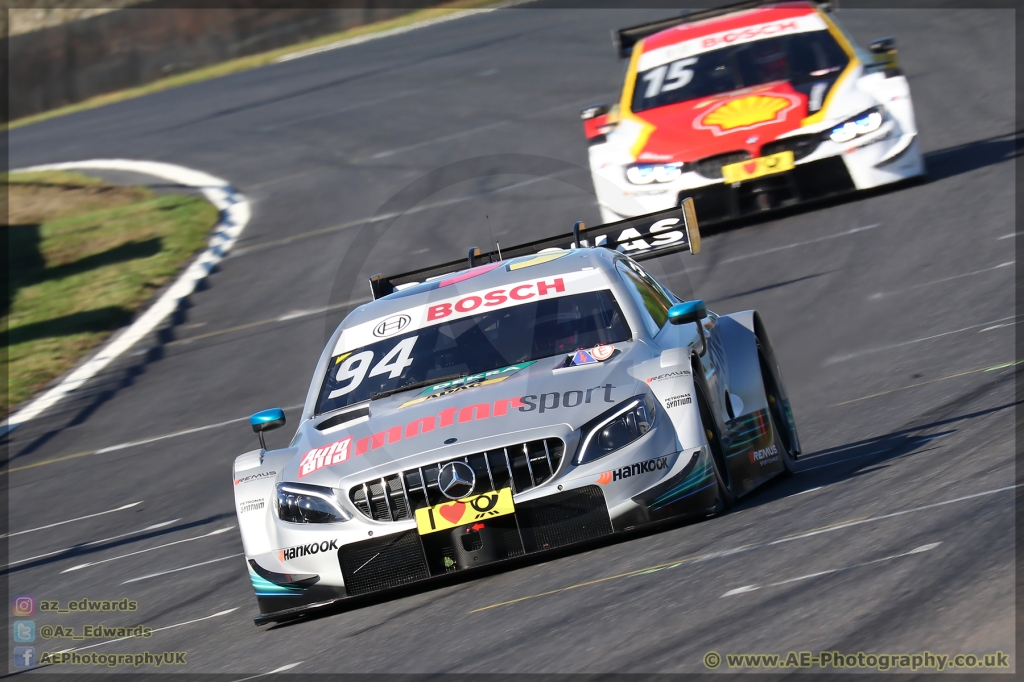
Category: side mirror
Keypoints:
(883, 46)
(884, 50)
(267, 420)
(691, 312)
(594, 110)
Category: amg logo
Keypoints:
(650, 465)
(677, 400)
(306, 550)
(251, 505)
(765, 456)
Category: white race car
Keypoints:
(484, 410)
(747, 108)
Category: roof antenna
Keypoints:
(487, 218)
(576, 233)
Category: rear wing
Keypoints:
(642, 237)
(625, 39)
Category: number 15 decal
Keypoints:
(354, 368)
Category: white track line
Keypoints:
(166, 627)
(183, 568)
(234, 215)
(849, 356)
(751, 588)
(143, 551)
(882, 294)
(748, 548)
(132, 443)
(848, 524)
(80, 518)
(796, 244)
(94, 542)
(282, 669)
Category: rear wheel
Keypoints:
(710, 426)
(776, 412)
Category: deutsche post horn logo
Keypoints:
(456, 480)
(392, 325)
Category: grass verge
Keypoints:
(253, 61)
(82, 256)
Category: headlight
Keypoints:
(302, 503)
(646, 173)
(616, 428)
(868, 122)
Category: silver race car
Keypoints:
(498, 407)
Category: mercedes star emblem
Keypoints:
(456, 480)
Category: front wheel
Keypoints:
(710, 426)
(776, 412)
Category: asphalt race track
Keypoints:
(893, 315)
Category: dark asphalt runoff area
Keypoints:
(892, 314)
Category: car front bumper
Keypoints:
(885, 157)
(624, 490)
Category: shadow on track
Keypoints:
(862, 456)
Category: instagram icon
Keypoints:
(24, 605)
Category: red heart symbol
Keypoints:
(452, 512)
(750, 167)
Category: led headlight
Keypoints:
(867, 122)
(302, 503)
(646, 173)
(616, 428)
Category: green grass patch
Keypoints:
(252, 61)
(82, 257)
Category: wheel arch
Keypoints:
(741, 335)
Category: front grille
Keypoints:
(563, 518)
(801, 145)
(710, 167)
(396, 497)
(381, 563)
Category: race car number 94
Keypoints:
(467, 510)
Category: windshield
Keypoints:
(803, 59)
(472, 345)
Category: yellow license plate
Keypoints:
(755, 168)
(467, 510)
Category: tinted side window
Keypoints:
(646, 292)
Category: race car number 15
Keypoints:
(467, 510)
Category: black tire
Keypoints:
(711, 432)
(780, 425)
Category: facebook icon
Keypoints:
(24, 656)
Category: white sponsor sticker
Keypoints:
(475, 303)
(736, 36)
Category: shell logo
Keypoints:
(745, 113)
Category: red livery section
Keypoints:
(742, 120)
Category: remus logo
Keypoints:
(256, 477)
(680, 373)
(656, 464)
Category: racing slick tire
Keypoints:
(714, 436)
(775, 412)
